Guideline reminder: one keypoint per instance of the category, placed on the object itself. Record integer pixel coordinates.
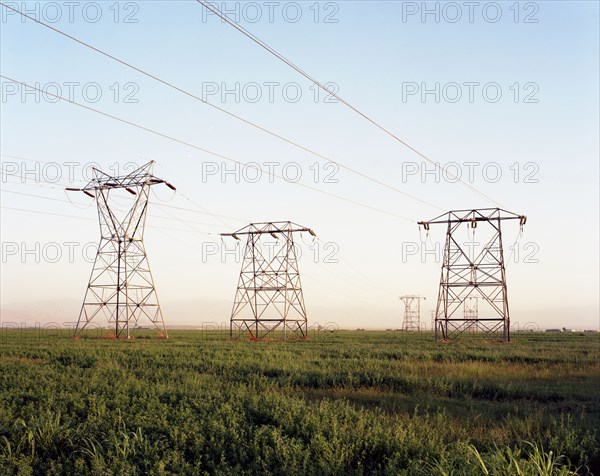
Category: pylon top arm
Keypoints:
(473, 216)
(270, 228)
(138, 178)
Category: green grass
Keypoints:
(340, 403)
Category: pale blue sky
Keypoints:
(369, 53)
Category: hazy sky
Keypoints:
(505, 93)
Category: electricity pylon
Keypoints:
(121, 287)
(412, 312)
(466, 273)
(269, 296)
(471, 312)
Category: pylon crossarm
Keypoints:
(473, 216)
(271, 228)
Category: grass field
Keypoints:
(341, 403)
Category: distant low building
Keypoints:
(553, 330)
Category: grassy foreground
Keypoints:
(340, 403)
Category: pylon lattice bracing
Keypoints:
(412, 312)
(467, 274)
(269, 301)
(121, 288)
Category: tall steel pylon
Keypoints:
(466, 274)
(412, 312)
(121, 288)
(269, 301)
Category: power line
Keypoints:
(178, 239)
(159, 228)
(171, 217)
(37, 161)
(216, 154)
(225, 111)
(313, 80)
(202, 208)
(41, 196)
(28, 210)
(163, 231)
(40, 212)
(27, 181)
(187, 222)
(344, 278)
(198, 211)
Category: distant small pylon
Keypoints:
(471, 313)
(412, 312)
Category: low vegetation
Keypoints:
(341, 403)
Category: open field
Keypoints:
(341, 403)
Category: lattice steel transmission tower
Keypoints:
(412, 312)
(121, 288)
(269, 301)
(471, 313)
(466, 272)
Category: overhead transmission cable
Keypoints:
(223, 110)
(170, 217)
(162, 230)
(186, 222)
(50, 184)
(40, 212)
(45, 213)
(312, 79)
(41, 196)
(207, 151)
